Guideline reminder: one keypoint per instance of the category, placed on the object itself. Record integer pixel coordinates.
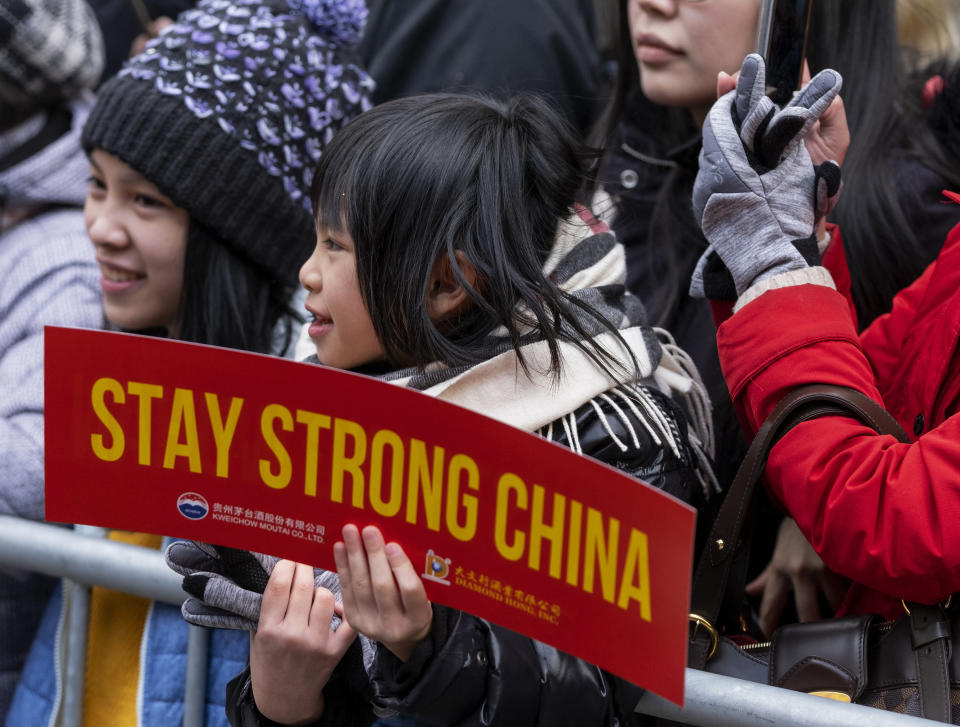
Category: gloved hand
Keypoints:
(757, 195)
(226, 587)
(226, 584)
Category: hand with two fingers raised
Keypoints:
(827, 139)
(758, 197)
(294, 649)
(383, 597)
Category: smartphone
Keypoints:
(782, 41)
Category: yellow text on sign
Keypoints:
(584, 545)
(377, 470)
(181, 443)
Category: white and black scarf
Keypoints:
(589, 263)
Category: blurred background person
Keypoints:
(498, 46)
(668, 55)
(929, 30)
(122, 22)
(51, 54)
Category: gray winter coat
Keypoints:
(48, 275)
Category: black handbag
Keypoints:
(908, 665)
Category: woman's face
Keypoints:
(681, 45)
(140, 239)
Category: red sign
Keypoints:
(270, 455)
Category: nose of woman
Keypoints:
(103, 225)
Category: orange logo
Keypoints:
(436, 568)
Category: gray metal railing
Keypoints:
(712, 700)
(86, 559)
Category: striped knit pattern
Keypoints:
(49, 50)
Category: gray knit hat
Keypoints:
(49, 50)
(228, 111)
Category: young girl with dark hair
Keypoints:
(201, 152)
(453, 257)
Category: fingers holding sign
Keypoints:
(383, 597)
(294, 650)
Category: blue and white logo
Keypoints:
(193, 506)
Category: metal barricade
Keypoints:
(712, 700)
(86, 559)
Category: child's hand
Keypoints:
(383, 597)
(293, 652)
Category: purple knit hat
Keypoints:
(228, 111)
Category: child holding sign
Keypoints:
(201, 153)
(452, 258)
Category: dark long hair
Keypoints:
(887, 124)
(229, 301)
(671, 219)
(417, 179)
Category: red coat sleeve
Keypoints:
(878, 511)
(884, 337)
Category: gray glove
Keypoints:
(226, 584)
(226, 587)
(757, 195)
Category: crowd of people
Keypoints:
(420, 192)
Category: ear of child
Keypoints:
(446, 294)
(383, 597)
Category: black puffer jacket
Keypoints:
(471, 672)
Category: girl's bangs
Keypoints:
(333, 204)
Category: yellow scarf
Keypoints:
(113, 649)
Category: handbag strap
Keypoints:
(932, 638)
(710, 580)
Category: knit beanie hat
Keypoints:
(49, 50)
(228, 111)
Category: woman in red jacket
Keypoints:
(878, 511)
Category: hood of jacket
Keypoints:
(56, 174)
